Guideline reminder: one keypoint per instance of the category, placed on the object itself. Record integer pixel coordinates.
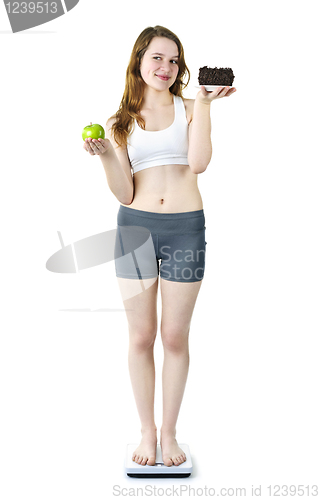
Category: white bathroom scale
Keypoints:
(158, 470)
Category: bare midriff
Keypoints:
(166, 189)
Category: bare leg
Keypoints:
(141, 310)
(178, 301)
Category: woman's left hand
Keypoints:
(207, 97)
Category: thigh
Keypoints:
(178, 301)
(183, 255)
(140, 302)
(134, 253)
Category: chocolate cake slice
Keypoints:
(215, 76)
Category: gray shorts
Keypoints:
(149, 242)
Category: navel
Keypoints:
(162, 200)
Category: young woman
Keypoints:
(155, 147)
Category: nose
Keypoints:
(165, 66)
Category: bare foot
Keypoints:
(172, 454)
(146, 452)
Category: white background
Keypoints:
(250, 413)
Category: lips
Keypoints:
(163, 77)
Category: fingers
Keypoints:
(87, 147)
(94, 146)
(207, 97)
(223, 91)
(204, 90)
(216, 93)
(231, 91)
(226, 91)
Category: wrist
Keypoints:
(202, 100)
(108, 152)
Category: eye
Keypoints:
(157, 57)
(174, 61)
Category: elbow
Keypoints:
(198, 163)
(198, 167)
(126, 199)
(124, 202)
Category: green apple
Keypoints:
(94, 131)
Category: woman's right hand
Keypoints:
(96, 146)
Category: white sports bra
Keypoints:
(163, 147)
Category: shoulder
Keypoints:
(109, 131)
(189, 105)
(110, 136)
(110, 122)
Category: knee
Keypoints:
(143, 337)
(175, 339)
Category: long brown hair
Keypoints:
(134, 87)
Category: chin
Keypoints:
(163, 85)
(158, 87)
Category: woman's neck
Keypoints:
(153, 99)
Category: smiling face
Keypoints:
(159, 65)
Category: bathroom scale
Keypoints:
(159, 470)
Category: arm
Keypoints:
(117, 167)
(200, 147)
